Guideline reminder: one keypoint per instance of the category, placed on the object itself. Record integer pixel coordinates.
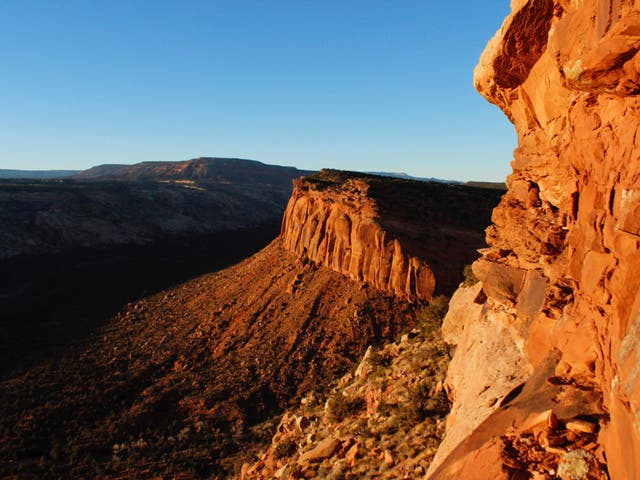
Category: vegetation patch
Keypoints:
(340, 407)
(430, 319)
(422, 403)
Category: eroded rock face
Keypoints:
(562, 268)
(341, 232)
(404, 237)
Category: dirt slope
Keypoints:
(177, 381)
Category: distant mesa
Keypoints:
(495, 185)
(115, 205)
(203, 168)
(406, 176)
(222, 170)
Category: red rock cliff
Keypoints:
(402, 237)
(556, 327)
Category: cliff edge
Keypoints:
(555, 320)
(407, 238)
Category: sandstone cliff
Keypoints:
(404, 237)
(551, 334)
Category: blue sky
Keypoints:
(362, 85)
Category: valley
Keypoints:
(191, 380)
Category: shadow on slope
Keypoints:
(50, 301)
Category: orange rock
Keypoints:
(352, 455)
(567, 74)
(325, 449)
(581, 426)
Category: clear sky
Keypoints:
(363, 85)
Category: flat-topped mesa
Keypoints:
(338, 228)
(392, 234)
(560, 327)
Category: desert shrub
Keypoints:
(380, 362)
(420, 405)
(361, 428)
(470, 278)
(380, 359)
(386, 409)
(432, 315)
(340, 407)
(285, 448)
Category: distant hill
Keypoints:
(210, 169)
(102, 171)
(37, 174)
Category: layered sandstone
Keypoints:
(404, 237)
(559, 293)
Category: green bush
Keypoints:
(420, 405)
(432, 315)
(285, 448)
(340, 407)
(379, 362)
(469, 277)
(361, 428)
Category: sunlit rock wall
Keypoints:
(560, 281)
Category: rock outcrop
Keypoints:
(404, 237)
(559, 295)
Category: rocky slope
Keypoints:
(181, 382)
(545, 379)
(404, 237)
(51, 301)
(382, 420)
(140, 204)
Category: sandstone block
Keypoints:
(325, 449)
(499, 281)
